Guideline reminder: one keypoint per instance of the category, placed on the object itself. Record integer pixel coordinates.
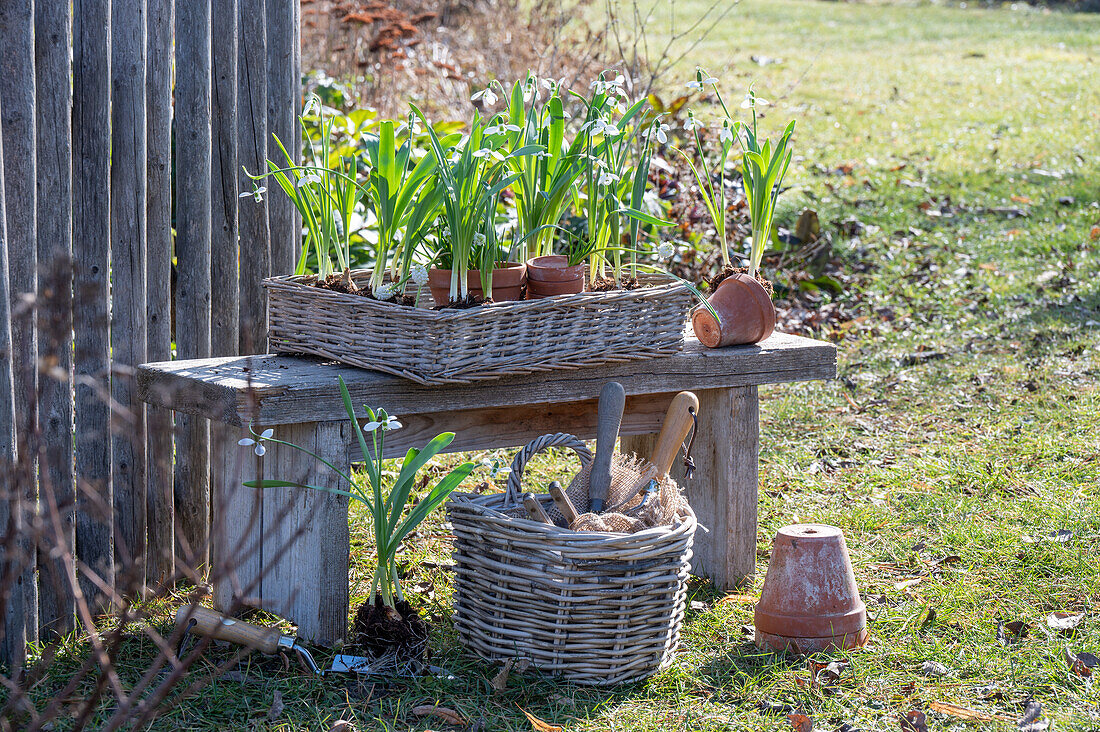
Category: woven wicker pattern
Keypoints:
(596, 608)
(461, 346)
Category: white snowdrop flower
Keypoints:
(652, 202)
(693, 124)
(607, 178)
(726, 133)
(665, 250)
(256, 193)
(307, 179)
(752, 101)
(486, 95)
(419, 274)
(479, 239)
(314, 103)
(456, 154)
(600, 126)
(660, 131)
(259, 448)
(694, 84)
(490, 152)
(500, 129)
(389, 423)
(711, 81)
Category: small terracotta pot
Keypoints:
(551, 275)
(810, 601)
(745, 314)
(508, 282)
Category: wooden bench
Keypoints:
(289, 548)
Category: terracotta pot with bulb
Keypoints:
(745, 313)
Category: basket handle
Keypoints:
(559, 439)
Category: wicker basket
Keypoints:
(595, 608)
(461, 346)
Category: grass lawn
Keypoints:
(965, 142)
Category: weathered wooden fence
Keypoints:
(124, 126)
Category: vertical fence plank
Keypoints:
(18, 121)
(225, 322)
(128, 313)
(52, 44)
(160, 513)
(255, 234)
(13, 637)
(193, 148)
(91, 210)
(284, 79)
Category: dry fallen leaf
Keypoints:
(738, 599)
(1081, 663)
(449, 716)
(276, 707)
(800, 723)
(500, 681)
(914, 721)
(342, 725)
(1064, 622)
(538, 725)
(963, 713)
(907, 583)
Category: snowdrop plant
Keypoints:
(546, 179)
(615, 175)
(471, 176)
(763, 167)
(325, 193)
(386, 502)
(404, 196)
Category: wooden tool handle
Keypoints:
(216, 625)
(534, 509)
(568, 510)
(675, 428)
(609, 417)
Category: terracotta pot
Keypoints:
(810, 601)
(745, 314)
(508, 282)
(551, 275)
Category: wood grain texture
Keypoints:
(309, 585)
(193, 196)
(724, 490)
(128, 308)
(91, 251)
(225, 316)
(160, 510)
(53, 81)
(237, 526)
(17, 118)
(289, 389)
(284, 102)
(255, 233)
(13, 640)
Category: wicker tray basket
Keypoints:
(461, 346)
(595, 608)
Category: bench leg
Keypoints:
(724, 492)
(299, 539)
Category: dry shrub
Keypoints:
(437, 54)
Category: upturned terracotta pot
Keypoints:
(810, 601)
(745, 314)
(552, 275)
(508, 282)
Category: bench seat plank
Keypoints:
(280, 389)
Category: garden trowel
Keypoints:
(609, 416)
(203, 621)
